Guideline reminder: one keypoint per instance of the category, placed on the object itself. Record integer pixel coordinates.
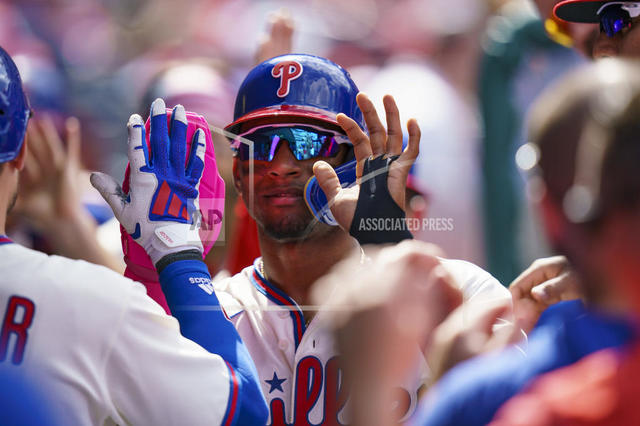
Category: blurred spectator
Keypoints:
(519, 60)
(584, 132)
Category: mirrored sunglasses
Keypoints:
(616, 16)
(305, 142)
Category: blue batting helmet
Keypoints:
(14, 109)
(296, 85)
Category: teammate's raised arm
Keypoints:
(161, 212)
(93, 342)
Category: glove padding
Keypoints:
(163, 200)
(378, 219)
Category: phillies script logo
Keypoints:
(286, 71)
(328, 387)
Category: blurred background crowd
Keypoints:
(466, 69)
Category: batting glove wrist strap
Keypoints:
(378, 219)
(176, 257)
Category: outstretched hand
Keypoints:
(51, 181)
(380, 142)
(160, 209)
(382, 314)
(278, 41)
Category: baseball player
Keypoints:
(296, 110)
(618, 32)
(292, 111)
(585, 129)
(91, 340)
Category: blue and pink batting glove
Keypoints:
(161, 211)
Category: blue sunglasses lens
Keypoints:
(305, 143)
(614, 19)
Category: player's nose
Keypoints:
(284, 163)
(605, 46)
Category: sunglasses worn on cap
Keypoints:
(616, 16)
(306, 142)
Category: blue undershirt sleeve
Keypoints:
(189, 292)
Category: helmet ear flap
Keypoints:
(14, 109)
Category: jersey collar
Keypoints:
(279, 297)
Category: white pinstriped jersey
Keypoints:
(100, 349)
(297, 364)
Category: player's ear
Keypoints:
(18, 162)
(237, 176)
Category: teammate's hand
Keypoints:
(380, 142)
(162, 203)
(51, 187)
(383, 314)
(279, 39)
(547, 281)
(468, 333)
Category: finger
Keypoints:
(360, 141)
(72, 125)
(196, 157)
(159, 136)
(556, 290)
(327, 180)
(178, 139)
(137, 145)
(31, 169)
(504, 333)
(53, 143)
(38, 149)
(279, 39)
(450, 295)
(485, 321)
(377, 132)
(412, 150)
(394, 128)
(407, 158)
(540, 271)
(282, 30)
(110, 191)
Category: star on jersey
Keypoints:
(275, 383)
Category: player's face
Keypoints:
(278, 187)
(625, 43)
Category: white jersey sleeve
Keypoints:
(101, 350)
(480, 291)
(156, 376)
(476, 284)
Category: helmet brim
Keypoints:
(281, 113)
(579, 11)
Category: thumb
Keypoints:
(327, 179)
(110, 191)
(487, 319)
